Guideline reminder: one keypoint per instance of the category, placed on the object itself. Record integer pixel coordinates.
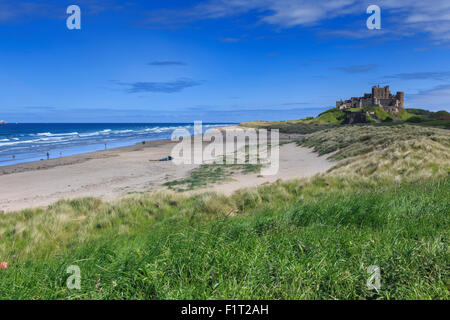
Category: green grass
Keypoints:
(382, 115)
(355, 109)
(292, 240)
(326, 120)
(444, 124)
(208, 174)
(335, 117)
(385, 203)
(294, 126)
(404, 115)
(356, 140)
(395, 151)
(427, 113)
(428, 118)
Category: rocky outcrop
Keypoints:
(355, 117)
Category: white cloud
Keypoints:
(399, 17)
(403, 17)
(287, 13)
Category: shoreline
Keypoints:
(99, 154)
(30, 142)
(86, 156)
(78, 158)
(112, 174)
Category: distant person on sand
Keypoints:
(48, 156)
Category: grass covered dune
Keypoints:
(301, 239)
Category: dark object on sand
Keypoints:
(169, 158)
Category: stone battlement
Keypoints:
(380, 97)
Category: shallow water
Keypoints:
(35, 141)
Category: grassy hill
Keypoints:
(335, 117)
(397, 152)
(428, 118)
(385, 203)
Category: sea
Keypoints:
(26, 142)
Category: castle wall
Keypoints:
(381, 97)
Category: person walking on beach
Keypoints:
(48, 156)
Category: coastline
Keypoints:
(78, 158)
(32, 142)
(115, 173)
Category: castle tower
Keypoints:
(387, 93)
(375, 91)
(401, 97)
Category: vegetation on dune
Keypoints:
(300, 239)
(219, 170)
(445, 124)
(335, 117)
(332, 116)
(292, 240)
(381, 114)
(404, 115)
(294, 126)
(208, 174)
(325, 120)
(428, 114)
(429, 118)
(396, 151)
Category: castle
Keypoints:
(380, 97)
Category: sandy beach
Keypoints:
(115, 173)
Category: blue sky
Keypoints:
(215, 60)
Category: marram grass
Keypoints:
(295, 240)
(301, 239)
(399, 152)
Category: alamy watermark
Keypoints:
(228, 146)
(374, 21)
(74, 20)
(374, 280)
(74, 281)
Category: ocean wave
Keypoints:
(49, 134)
(42, 141)
(105, 132)
(83, 135)
(123, 131)
(16, 142)
(38, 141)
(67, 134)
